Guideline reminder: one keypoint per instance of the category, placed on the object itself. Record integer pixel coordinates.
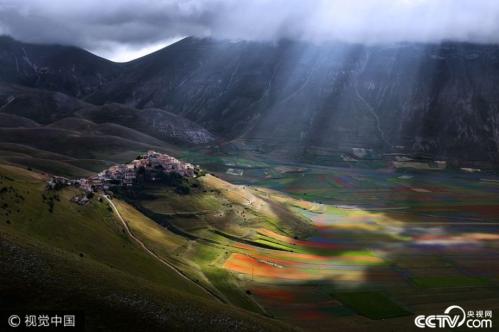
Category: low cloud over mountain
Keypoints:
(125, 28)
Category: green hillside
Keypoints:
(62, 255)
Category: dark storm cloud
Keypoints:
(107, 25)
(90, 23)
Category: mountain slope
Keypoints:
(435, 99)
(432, 100)
(81, 256)
(55, 67)
(88, 136)
(45, 107)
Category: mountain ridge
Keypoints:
(436, 100)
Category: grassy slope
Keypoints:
(197, 258)
(80, 256)
(221, 215)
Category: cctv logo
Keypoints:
(454, 316)
(442, 321)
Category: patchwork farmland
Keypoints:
(379, 247)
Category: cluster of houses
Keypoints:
(148, 167)
(57, 182)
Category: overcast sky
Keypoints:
(125, 29)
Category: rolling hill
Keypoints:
(85, 136)
(56, 253)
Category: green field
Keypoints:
(374, 305)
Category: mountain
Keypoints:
(435, 101)
(142, 241)
(66, 69)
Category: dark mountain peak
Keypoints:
(4, 39)
(55, 67)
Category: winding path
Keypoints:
(160, 259)
(369, 108)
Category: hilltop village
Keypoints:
(148, 168)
